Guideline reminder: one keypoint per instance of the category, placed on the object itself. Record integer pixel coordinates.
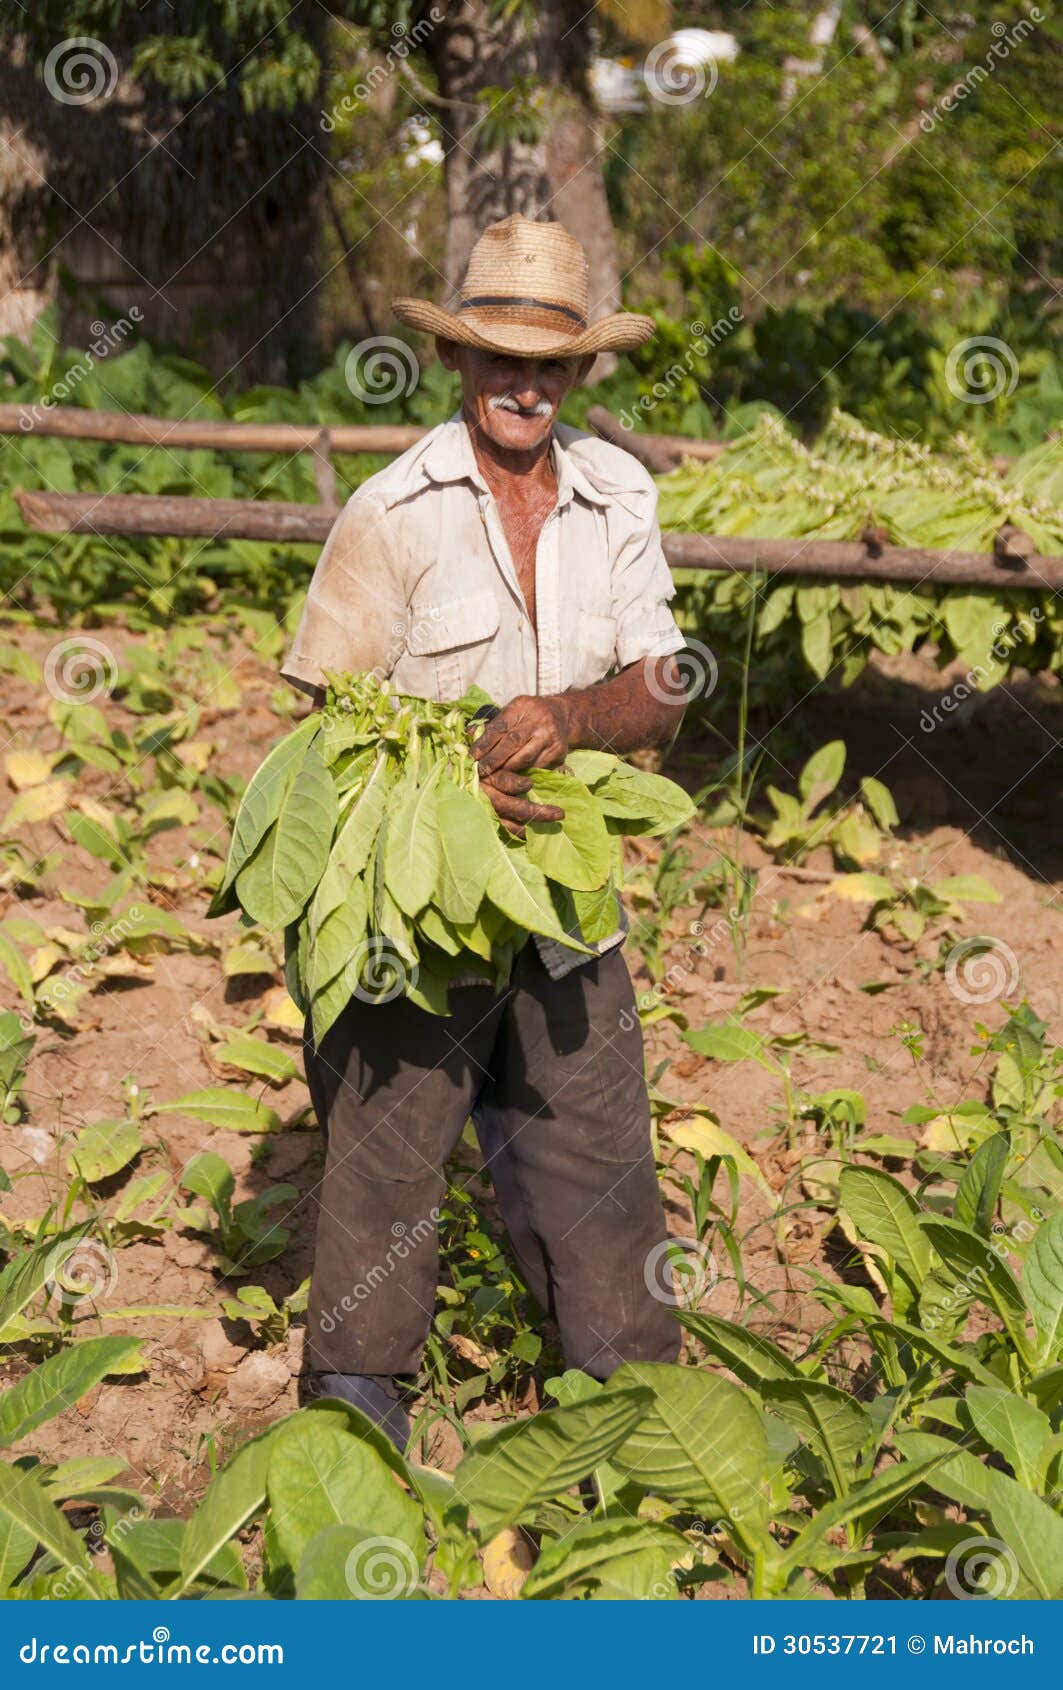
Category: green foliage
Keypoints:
(365, 835)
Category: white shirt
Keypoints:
(417, 583)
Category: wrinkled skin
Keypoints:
(642, 704)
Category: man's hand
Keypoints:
(528, 733)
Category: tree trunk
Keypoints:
(558, 174)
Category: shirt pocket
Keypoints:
(595, 646)
(447, 642)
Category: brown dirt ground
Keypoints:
(975, 799)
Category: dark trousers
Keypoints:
(552, 1073)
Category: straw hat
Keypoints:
(525, 291)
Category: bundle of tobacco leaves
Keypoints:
(365, 835)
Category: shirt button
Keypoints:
(521, 625)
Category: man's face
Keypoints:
(513, 400)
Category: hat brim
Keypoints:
(489, 330)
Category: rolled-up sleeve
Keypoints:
(643, 587)
(354, 618)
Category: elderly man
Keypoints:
(510, 552)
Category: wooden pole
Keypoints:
(173, 514)
(250, 519)
(137, 430)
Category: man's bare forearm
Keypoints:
(641, 706)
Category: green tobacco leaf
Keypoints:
(24, 1501)
(575, 851)
(728, 1041)
(352, 848)
(347, 1563)
(979, 1188)
(652, 802)
(18, 969)
(591, 1550)
(339, 937)
(220, 1107)
(58, 1383)
(104, 1148)
(285, 869)
(207, 1175)
(598, 913)
(322, 1476)
(822, 772)
(262, 801)
(887, 1215)
(701, 1442)
(505, 1476)
(468, 840)
(231, 1500)
(1042, 1284)
(752, 1358)
(16, 1546)
(519, 890)
(867, 1502)
(980, 1270)
(1014, 1427)
(1032, 1531)
(413, 854)
(27, 1273)
(837, 1427)
(256, 1056)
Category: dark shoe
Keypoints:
(372, 1396)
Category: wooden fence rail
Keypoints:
(251, 519)
(1014, 561)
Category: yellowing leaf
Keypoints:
(27, 768)
(507, 1561)
(38, 803)
(194, 754)
(707, 1138)
(860, 888)
(280, 1011)
(43, 960)
(96, 812)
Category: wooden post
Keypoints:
(325, 471)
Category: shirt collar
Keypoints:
(450, 457)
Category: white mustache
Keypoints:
(506, 402)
